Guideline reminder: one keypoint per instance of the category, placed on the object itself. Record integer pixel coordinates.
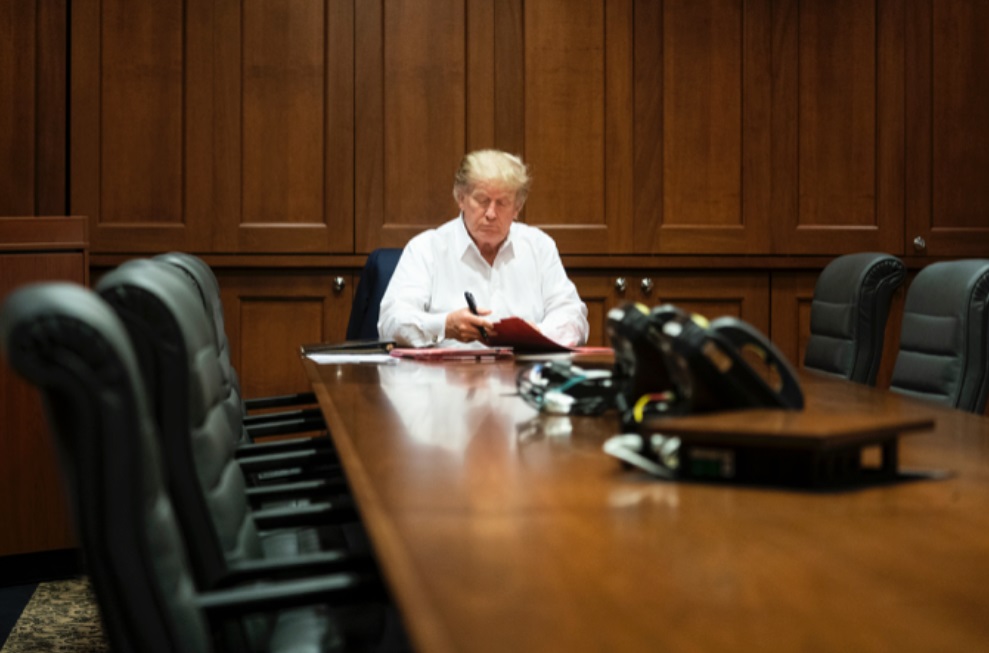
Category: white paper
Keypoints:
(332, 358)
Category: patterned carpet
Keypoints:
(60, 617)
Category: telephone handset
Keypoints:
(669, 362)
(780, 388)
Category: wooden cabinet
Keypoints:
(213, 126)
(712, 294)
(787, 127)
(32, 504)
(33, 63)
(838, 138)
(947, 129)
(268, 316)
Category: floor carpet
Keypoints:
(61, 617)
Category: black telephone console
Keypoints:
(669, 362)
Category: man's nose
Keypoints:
(489, 212)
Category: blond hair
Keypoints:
(492, 166)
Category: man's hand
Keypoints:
(464, 326)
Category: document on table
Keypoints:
(453, 353)
(338, 358)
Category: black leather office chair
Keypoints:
(297, 420)
(378, 269)
(181, 368)
(944, 341)
(65, 340)
(849, 312)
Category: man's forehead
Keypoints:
(493, 190)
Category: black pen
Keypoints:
(473, 309)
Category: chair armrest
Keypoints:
(281, 446)
(280, 401)
(335, 589)
(302, 413)
(305, 565)
(320, 488)
(302, 457)
(325, 513)
(264, 428)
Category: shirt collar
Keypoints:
(463, 242)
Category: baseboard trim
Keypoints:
(39, 567)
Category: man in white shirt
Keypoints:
(511, 269)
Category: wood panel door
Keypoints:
(702, 118)
(947, 197)
(744, 295)
(33, 109)
(269, 314)
(548, 80)
(213, 125)
(838, 120)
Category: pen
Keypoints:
(473, 309)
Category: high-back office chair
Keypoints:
(282, 459)
(378, 269)
(944, 341)
(170, 332)
(849, 312)
(70, 344)
(257, 424)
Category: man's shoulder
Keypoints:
(535, 235)
(433, 233)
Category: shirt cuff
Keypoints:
(435, 326)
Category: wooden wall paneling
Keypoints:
(947, 158)
(139, 130)
(702, 130)
(838, 124)
(481, 72)
(577, 121)
(509, 75)
(32, 499)
(598, 292)
(792, 293)
(269, 314)
(284, 127)
(33, 59)
(411, 116)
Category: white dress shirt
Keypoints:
(527, 280)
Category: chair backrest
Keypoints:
(944, 353)
(201, 276)
(849, 312)
(66, 341)
(168, 324)
(378, 269)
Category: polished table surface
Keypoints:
(500, 529)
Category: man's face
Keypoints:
(489, 211)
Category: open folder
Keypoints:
(522, 337)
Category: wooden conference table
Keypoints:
(500, 529)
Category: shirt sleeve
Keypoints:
(565, 317)
(404, 313)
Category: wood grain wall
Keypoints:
(708, 137)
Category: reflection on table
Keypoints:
(503, 530)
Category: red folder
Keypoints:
(521, 336)
(451, 353)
